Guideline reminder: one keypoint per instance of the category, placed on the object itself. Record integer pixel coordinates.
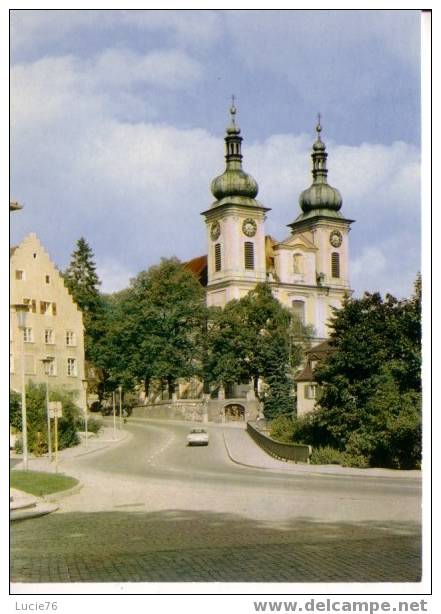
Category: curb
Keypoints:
(106, 443)
(38, 510)
(232, 459)
(61, 494)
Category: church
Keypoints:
(307, 270)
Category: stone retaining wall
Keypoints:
(195, 410)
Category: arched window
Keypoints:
(249, 255)
(298, 263)
(217, 257)
(298, 308)
(335, 264)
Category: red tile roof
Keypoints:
(198, 266)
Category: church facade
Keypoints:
(307, 270)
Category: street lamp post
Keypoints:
(21, 310)
(46, 363)
(86, 410)
(120, 407)
(114, 415)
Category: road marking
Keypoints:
(161, 450)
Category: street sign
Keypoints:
(55, 409)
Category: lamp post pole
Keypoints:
(114, 415)
(21, 311)
(86, 409)
(120, 407)
(46, 363)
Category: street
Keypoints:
(154, 510)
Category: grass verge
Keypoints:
(40, 483)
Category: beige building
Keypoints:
(54, 327)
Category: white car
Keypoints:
(197, 437)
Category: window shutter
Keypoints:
(335, 264)
(217, 257)
(249, 255)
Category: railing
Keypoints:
(299, 453)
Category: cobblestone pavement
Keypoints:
(186, 546)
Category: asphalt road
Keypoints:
(156, 510)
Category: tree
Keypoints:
(83, 283)
(156, 327)
(81, 278)
(255, 338)
(370, 404)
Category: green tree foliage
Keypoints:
(156, 326)
(36, 417)
(83, 283)
(282, 429)
(370, 403)
(255, 338)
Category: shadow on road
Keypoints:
(132, 545)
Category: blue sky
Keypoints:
(118, 118)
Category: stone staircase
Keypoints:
(22, 505)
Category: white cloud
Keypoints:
(32, 29)
(121, 68)
(113, 275)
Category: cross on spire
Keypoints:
(233, 108)
(318, 127)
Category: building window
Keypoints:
(311, 391)
(72, 367)
(29, 363)
(217, 257)
(70, 338)
(49, 336)
(19, 274)
(52, 367)
(249, 255)
(28, 335)
(47, 279)
(298, 308)
(297, 264)
(32, 304)
(44, 307)
(335, 264)
(54, 309)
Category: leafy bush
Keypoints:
(93, 425)
(327, 456)
(355, 460)
(282, 429)
(37, 418)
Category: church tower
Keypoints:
(311, 266)
(235, 228)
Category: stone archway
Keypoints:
(234, 412)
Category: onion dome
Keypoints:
(234, 182)
(320, 196)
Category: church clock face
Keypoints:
(215, 231)
(335, 238)
(249, 227)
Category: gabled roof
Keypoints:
(199, 267)
(297, 240)
(318, 352)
